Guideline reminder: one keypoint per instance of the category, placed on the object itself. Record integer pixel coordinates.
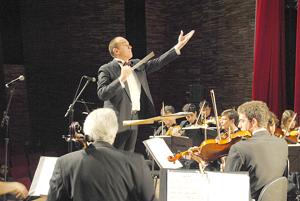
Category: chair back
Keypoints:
(275, 190)
(287, 169)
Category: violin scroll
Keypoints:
(180, 155)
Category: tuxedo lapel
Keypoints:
(117, 70)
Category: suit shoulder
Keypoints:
(70, 156)
(133, 156)
(106, 66)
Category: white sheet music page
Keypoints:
(160, 152)
(186, 185)
(232, 186)
(43, 185)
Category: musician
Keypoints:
(229, 122)
(101, 172)
(191, 119)
(273, 123)
(286, 121)
(206, 114)
(263, 155)
(169, 124)
(126, 91)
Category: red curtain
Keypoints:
(269, 55)
(297, 68)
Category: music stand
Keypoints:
(197, 134)
(294, 157)
(40, 183)
(177, 143)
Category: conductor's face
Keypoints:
(124, 49)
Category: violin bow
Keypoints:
(162, 122)
(212, 93)
(201, 169)
(216, 113)
(201, 109)
(288, 128)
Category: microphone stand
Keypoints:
(70, 111)
(5, 120)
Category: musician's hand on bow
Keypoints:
(125, 72)
(183, 39)
(196, 156)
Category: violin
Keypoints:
(211, 120)
(213, 149)
(199, 124)
(170, 131)
(279, 132)
(291, 137)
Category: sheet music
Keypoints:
(231, 186)
(160, 152)
(40, 184)
(186, 186)
(189, 185)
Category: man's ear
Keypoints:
(254, 122)
(116, 51)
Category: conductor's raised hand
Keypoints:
(183, 39)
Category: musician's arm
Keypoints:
(197, 158)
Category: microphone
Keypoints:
(90, 78)
(21, 78)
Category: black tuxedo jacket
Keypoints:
(263, 155)
(110, 91)
(101, 172)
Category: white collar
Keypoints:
(262, 129)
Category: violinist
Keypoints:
(287, 122)
(229, 122)
(169, 125)
(101, 172)
(206, 114)
(191, 119)
(263, 155)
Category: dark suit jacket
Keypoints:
(114, 96)
(101, 172)
(264, 156)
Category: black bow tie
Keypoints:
(125, 63)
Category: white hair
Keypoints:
(101, 125)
